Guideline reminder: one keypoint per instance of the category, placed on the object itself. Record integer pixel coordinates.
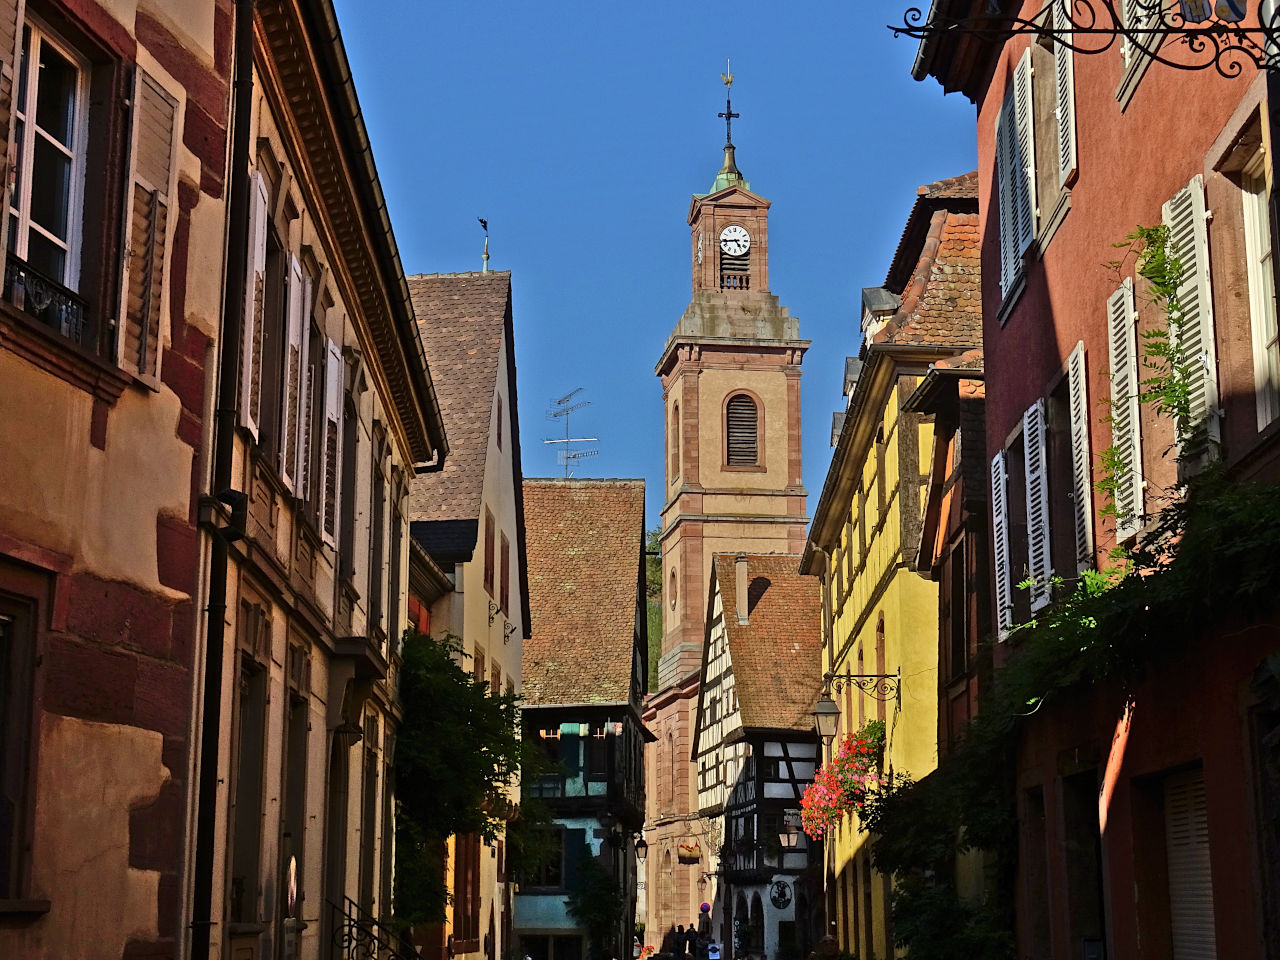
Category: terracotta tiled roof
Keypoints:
(965, 185)
(461, 319)
(585, 541)
(970, 362)
(942, 300)
(777, 654)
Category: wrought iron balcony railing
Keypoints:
(357, 935)
(46, 300)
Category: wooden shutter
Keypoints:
(1139, 15)
(1039, 558)
(1186, 828)
(1026, 127)
(1184, 215)
(1006, 192)
(296, 309)
(331, 464)
(1126, 428)
(742, 425)
(1065, 85)
(254, 305)
(154, 145)
(1081, 459)
(488, 552)
(1000, 549)
(505, 583)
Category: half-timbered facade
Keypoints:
(755, 750)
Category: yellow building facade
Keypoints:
(880, 612)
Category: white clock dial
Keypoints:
(734, 240)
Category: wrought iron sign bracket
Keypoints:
(1183, 34)
(878, 686)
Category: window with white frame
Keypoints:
(49, 145)
(1262, 291)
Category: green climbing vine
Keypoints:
(1168, 374)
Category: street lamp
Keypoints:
(825, 717)
(789, 837)
(642, 849)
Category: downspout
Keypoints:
(224, 436)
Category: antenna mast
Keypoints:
(561, 407)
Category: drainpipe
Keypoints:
(224, 436)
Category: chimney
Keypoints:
(740, 589)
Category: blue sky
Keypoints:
(580, 130)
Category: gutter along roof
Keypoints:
(340, 159)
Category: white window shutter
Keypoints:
(331, 463)
(1184, 215)
(1126, 427)
(1000, 549)
(154, 144)
(1081, 459)
(254, 305)
(1065, 83)
(1039, 558)
(1026, 139)
(291, 382)
(1006, 192)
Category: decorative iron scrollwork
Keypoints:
(44, 299)
(358, 936)
(879, 686)
(1183, 34)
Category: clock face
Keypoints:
(734, 240)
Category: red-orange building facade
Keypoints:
(1144, 818)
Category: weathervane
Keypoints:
(728, 115)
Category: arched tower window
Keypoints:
(742, 423)
(675, 440)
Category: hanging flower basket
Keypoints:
(844, 782)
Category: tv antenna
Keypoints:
(561, 408)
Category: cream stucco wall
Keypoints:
(465, 612)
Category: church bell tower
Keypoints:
(730, 374)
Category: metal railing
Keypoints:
(357, 935)
(44, 299)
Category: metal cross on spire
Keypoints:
(728, 115)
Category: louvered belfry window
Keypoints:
(742, 423)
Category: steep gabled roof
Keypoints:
(585, 547)
(461, 319)
(777, 654)
(936, 269)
